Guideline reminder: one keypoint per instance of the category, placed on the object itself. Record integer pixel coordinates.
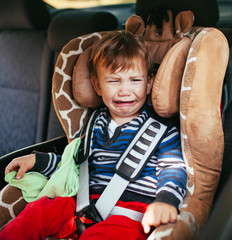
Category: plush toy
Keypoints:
(188, 82)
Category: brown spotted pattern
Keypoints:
(71, 115)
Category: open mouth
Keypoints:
(124, 102)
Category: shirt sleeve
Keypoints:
(171, 170)
(46, 163)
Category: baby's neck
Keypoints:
(123, 120)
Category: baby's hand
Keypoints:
(158, 213)
(21, 164)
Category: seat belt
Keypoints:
(127, 169)
(83, 192)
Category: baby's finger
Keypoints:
(146, 226)
(173, 216)
(12, 166)
(21, 172)
(165, 217)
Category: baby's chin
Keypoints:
(123, 116)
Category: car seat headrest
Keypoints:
(69, 24)
(206, 12)
(23, 14)
(83, 90)
(160, 40)
(171, 49)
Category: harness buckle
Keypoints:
(87, 217)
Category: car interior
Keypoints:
(33, 37)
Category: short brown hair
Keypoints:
(117, 49)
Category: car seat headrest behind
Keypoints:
(73, 23)
(206, 12)
(23, 14)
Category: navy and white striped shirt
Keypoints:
(164, 177)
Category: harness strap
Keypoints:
(83, 192)
(132, 214)
(83, 197)
(111, 195)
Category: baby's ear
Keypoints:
(96, 85)
(135, 25)
(150, 81)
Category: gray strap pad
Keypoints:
(145, 142)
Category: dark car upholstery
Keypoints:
(23, 45)
(227, 126)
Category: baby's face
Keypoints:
(124, 91)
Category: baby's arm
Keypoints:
(21, 165)
(171, 183)
(158, 213)
(45, 163)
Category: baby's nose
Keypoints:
(124, 90)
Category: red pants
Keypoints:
(55, 218)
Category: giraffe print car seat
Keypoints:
(188, 83)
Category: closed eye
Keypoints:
(136, 80)
(113, 81)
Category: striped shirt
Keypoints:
(164, 176)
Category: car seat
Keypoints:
(188, 82)
(190, 87)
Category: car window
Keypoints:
(84, 3)
(225, 9)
